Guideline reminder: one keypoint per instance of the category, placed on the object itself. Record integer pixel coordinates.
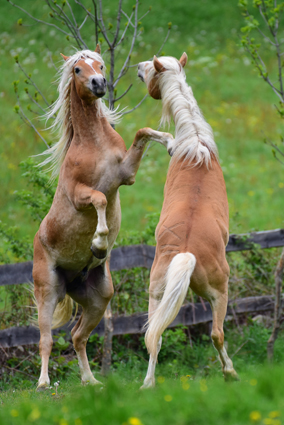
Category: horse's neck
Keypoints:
(88, 126)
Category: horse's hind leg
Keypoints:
(93, 295)
(48, 291)
(219, 307)
(154, 301)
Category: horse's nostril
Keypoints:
(105, 81)
(94, 82)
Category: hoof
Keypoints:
(231, 375)
(100, 254)
(149, 384)
(42, 387)
(93, 381)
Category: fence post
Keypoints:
(277, 308)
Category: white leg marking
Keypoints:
(149, 381)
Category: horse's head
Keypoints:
(89, 77)
(150, 71)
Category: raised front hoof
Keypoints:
(231, 375)
(100, 254)
(42, 387)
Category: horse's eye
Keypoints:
(101, 67)
(77, 70)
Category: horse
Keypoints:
(192, 232)
(73, 244)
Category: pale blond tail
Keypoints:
(63, 312)
(176, 287)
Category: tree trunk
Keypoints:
(277, 308)
(106, 361)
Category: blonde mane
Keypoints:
(194, 140)
(61, 110)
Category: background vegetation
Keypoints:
(233, 98)
(240, 109)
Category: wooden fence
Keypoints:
(128, 257)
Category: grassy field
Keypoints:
(190, 388)
(257, 398)
(235, 101)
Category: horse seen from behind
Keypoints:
(192, 233)
(73, 244)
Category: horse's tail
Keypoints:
(176, 287)
(63, 312)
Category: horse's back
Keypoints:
(194, 219)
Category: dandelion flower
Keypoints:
(134, 421)
(168, 398)
(255, 416)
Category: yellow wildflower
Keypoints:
(63, 422)
(168, 398)
(78, 421)
(134, 421)
(253, 382)
(185, 386)
(14, 413)
(255, 416)
(160, 379)
(274, 414)
(35, 414)
(268, 421)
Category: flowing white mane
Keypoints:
(194, 138)
(61, 110)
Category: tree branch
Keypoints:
(39, 20)
(135, 107)
(126, 91)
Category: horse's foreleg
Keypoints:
(94, 296)
(134, 154)
(85, 196)
(219, 308)
(100, 240)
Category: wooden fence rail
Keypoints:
(188, 315)
(128, 257)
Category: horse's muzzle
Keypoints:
(99, 87)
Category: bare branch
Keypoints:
(72, 14)
(39, 20)
(145, 14)
(125, 30)
(36, 103)
(125, 65)
(135, 107)
(129, 19)
(126, 91)
(83, 23)
(33, 83)
(29, 123)
(102, 25)
(164, 42)
(118, 23)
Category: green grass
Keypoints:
(190, 388)
(257, 398)
(235, 101)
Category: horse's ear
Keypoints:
(98, 49)
(159, 67)
(183, 59)
(65, 57)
